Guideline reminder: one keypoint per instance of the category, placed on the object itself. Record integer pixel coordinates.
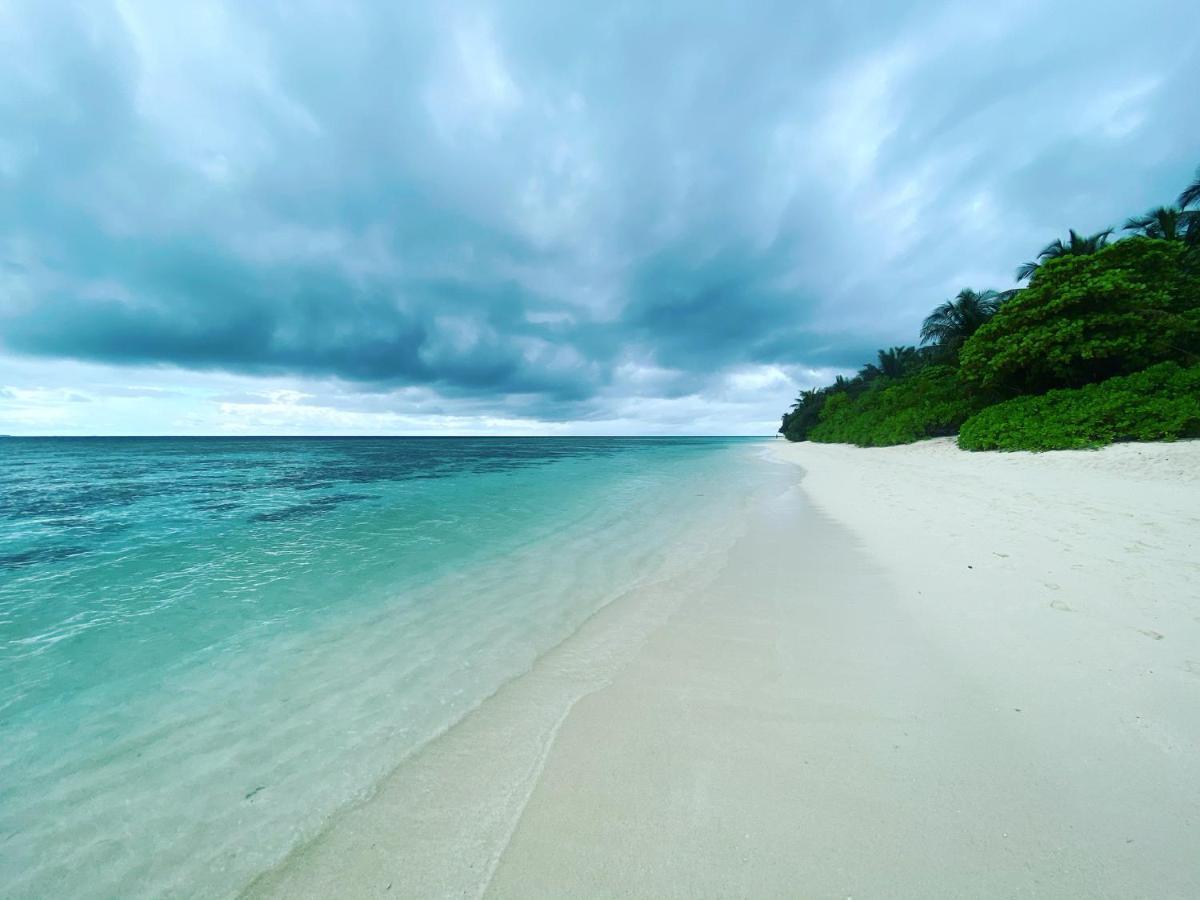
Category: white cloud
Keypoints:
(471, 89)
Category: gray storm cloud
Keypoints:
(566, 204)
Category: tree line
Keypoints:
(1088, 314)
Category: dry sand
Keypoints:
(916, 673)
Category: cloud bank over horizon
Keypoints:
(526, 218)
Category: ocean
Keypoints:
(209, 646)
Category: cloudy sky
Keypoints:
(379, 217)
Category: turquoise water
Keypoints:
(208, 646)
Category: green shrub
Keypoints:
(930, 403)
(1160, 403)
(799, 421)
(1088, 318)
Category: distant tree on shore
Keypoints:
(1165, 223)
(799, 421)
(1076, 245)
(951, 323)
(895, 362)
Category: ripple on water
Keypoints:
(208, 646)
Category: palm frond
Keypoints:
(1191, 193)
(1055, 248)
(1191, 227)
(1164, 222)
(951, 323)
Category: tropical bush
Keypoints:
(1090, 317)
(1160, 403)
(929, 404)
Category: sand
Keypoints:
(915, 672)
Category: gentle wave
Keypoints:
(207, 647)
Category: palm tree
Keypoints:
(1076, 245)
(1191, 193)
(805, 397)
(954, 321)
(843, 385)
(894, 362)
(1166, 223)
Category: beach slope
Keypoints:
(974, 675)
(914, 672)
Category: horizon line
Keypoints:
(370, 436)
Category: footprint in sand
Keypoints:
(1192, 666)
(1151, 633)
(1060, 605)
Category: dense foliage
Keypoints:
(931, 403)
(1159, 403)
(803, 415)
(1087, 318)
(1102, 345)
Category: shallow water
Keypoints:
(208, 646)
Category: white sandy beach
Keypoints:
(915, 672)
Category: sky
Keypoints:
(539, 218)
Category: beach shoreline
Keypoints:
(438, 824)
(913, 672)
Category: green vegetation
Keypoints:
(1165, 223)
(1102, 345)
(1087, 318)
(1190, 196)
(950, 325)
(1157, 404)
(1076, 245)
(931, 403)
